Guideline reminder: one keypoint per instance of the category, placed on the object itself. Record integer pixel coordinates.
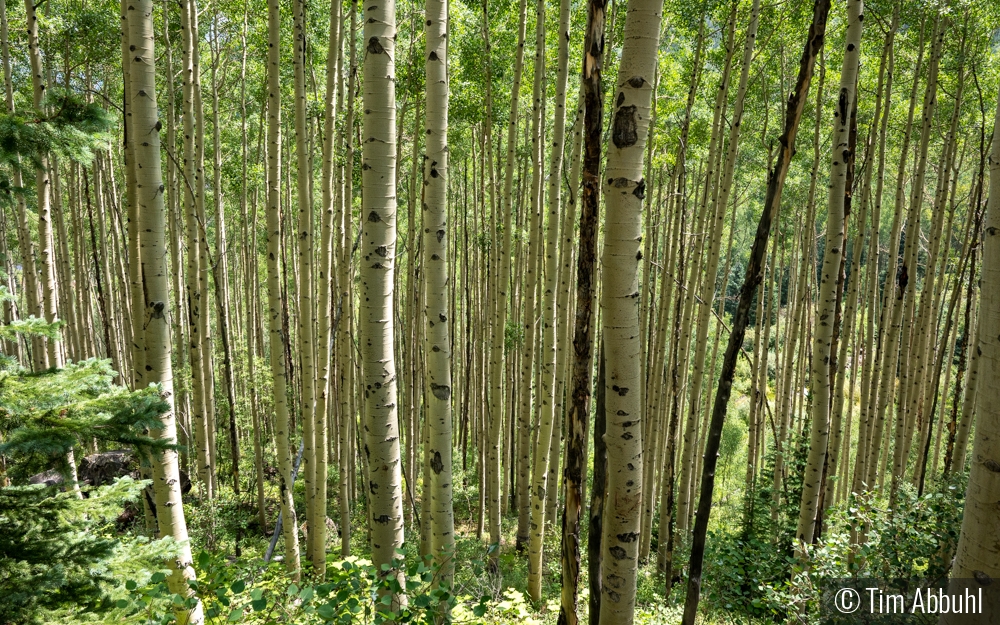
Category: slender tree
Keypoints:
(437, 274)
(378, 265)
(156, 294)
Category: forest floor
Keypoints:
(216, 526)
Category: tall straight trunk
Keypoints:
(541, 487)
(437, 274)
(316, 519)
(378, 255)
(324, 289)
(134, 337)
(624, 193)
(578, 412)
(531, 285)
(46, 255)
(196, 294)
(977, 556)
(277, 336)
(823, 355)
(754, 274)
(156, 294)
(345, 344)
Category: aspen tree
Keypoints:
(345, 346)
(578, 410)
(790, 385)
(134, 338)
(316, 519)
(156, 291)
(754, 274)
(531, 283)
(437, 274)
(624, 192)
(325, 287)
(378, 257)
(277, 336)
(977, 556)
(878, 128)
(43, 189)
(503, 259)
(195, 288)
(541, 487)
(829, 275)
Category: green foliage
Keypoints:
(50, 554)
(73, 129)
(44, 415)
(354, 591)
(513, 336)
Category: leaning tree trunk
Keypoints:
(378, 264)
(823, 354)
(624, 192)
(277, 336)
(156, 295)
(754, 274)
(437, 275)
(978, 555)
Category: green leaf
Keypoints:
(121, 603)
(235, 615)
(258, 604)
(327, 611)
(131, 585)
(238, 586)
(157, 577)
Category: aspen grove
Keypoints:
(496, 311)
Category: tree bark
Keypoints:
(156, 291)
(378, 265)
